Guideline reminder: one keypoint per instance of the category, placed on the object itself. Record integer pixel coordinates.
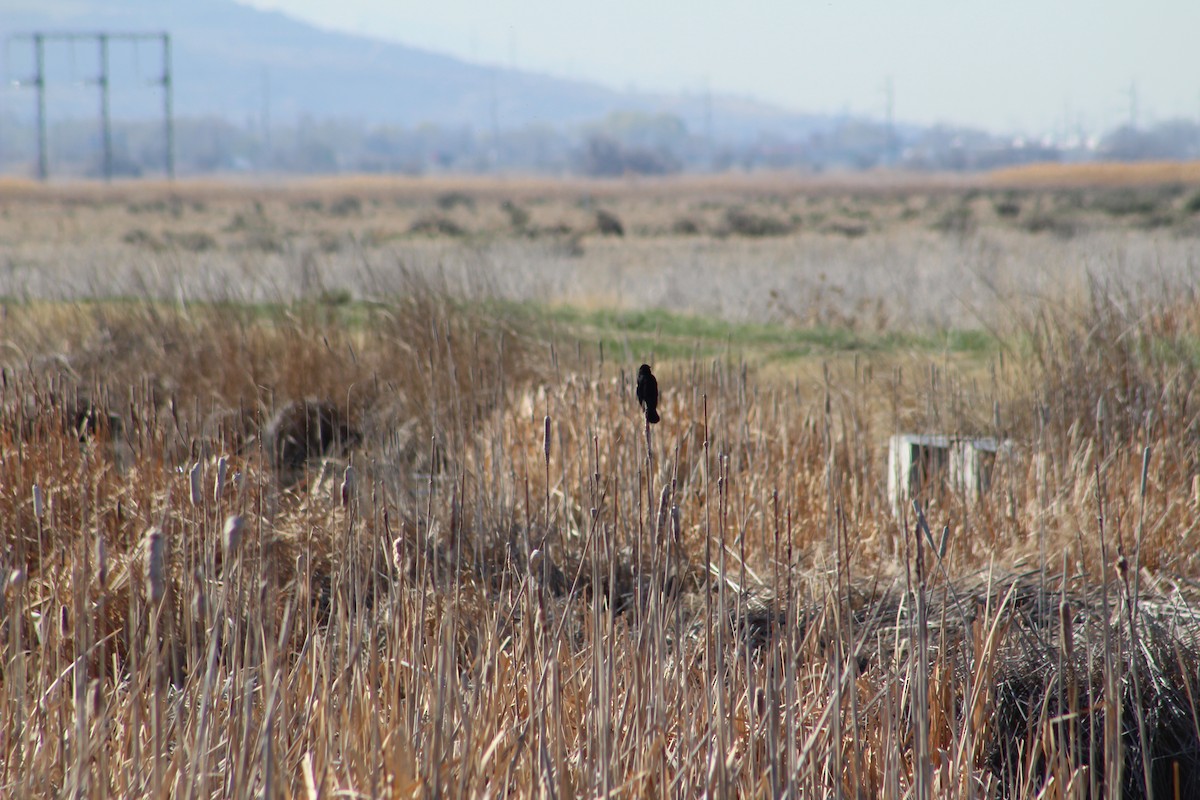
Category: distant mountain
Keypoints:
(245, 64)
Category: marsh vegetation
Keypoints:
(305, 495)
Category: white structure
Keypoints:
(915, 462)
(928, 464)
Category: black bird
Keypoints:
(647, 393)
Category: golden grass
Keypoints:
(1096, 174)
(490, 187)
(525, 187)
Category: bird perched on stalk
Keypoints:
(647, 393)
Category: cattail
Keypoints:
(546, 439)
(101, 561)
(199, 598)
(219, 484)
(156, 567)
(1066, 630)
(16, 578)
(194, 478)
(347, 486)
(39, 507)
(231, 536)
(535, 561)
(675, 524)
(664, 510)
(398, 552)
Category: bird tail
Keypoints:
(651, 416)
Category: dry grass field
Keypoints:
(339, 489)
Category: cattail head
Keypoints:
(1066, 629)
(199, 598)
(398, 553)
(219, 483)
(101, 561)
(155, 544)
(546, 439)
(231, 535)
(347, 486)
(16, 579)
(194, 480)
(39, 506)
(535, 562)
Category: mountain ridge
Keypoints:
(242, 62)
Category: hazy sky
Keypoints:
(1015, 66)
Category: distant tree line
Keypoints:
(620, 144)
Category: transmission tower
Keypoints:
(39, 39)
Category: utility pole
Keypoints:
(709, 145)
(168, 119)
(495, 150)
(105, 118)
(265, 120)
(39, 82)
(889, 99)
